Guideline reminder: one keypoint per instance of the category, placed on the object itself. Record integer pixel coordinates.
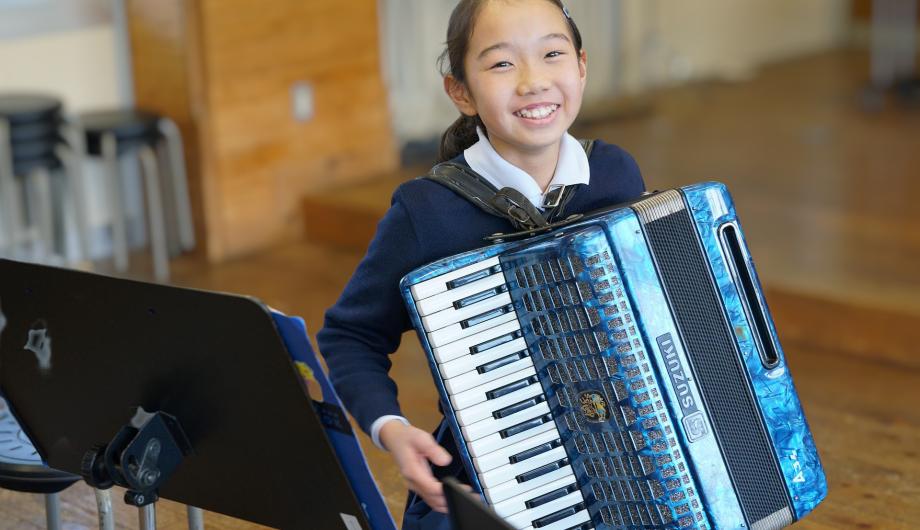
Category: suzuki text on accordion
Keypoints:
(622, 371)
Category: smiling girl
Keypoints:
(516, 71)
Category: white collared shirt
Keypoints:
(572, 167)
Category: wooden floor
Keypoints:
(826, 193)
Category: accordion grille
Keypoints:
(722, 379)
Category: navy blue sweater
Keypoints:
(427, 221)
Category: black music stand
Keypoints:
(466, 510)
(80, 353)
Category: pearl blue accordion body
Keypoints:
(622, 371)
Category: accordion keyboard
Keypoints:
(499, 403)
(553, 393)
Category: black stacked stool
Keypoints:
(32, 152)
(157, 145)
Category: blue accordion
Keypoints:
(622, 371)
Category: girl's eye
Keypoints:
(554, 53)
(501, 64)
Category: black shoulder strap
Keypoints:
(507, 202)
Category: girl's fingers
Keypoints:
(434, 452)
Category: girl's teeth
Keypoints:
(538, 113)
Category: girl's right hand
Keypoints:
(412, 449)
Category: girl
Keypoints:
(516, 72)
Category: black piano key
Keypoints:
(542, 470)
(511, 387)
(497, 341)
(551, 496)
(534, 451)
(504, 361)
(479, 297)
(488, 315)
(524, 426)
(558, 516)
(472, 277)
(518, 407)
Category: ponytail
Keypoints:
(459, 136)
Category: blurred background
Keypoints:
(251, 146)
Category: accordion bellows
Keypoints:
(622, 371)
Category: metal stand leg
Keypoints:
(104, 507)
(195, 518)
(178, 182)
(155, 214)
(147, 516)
(116, 199)
(53, 511)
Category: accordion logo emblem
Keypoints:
(594, 406)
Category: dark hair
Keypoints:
(462, 133)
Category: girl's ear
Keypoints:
(583, 67)
(459, 94)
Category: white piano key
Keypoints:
(468, 398)
(436, 285)
(490, 425)
(472, 379)
(526, 518)
(518, 504)
(483, 339)
(495, 442)
(502, 474)
(501, 456)
(470, 362)
(457, 332)
(513, 488)
(446, 299)
(484, 410)
(451, 316)
(581, 517)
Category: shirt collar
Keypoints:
(572, 167)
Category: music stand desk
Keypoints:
(214, 361)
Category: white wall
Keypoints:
(669, 41)
(79, 66)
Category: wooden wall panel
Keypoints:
(255, 161)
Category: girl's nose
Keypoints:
(532, 81)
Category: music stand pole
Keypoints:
(148, 516)
(195, 518)
(104, 507)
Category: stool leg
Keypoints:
(53, 511)
(116, 199)
(76, 183)
(44, 212)
(9, 196)
(147, 516)
(179, 182)
(104, 507)
(155, 214)
(195, 518)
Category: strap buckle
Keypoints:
(553, 196)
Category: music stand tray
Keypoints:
(80, 352)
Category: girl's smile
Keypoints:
(538, 113)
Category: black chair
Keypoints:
(157, 144)
(21, 469)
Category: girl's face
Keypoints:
(524, 77)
